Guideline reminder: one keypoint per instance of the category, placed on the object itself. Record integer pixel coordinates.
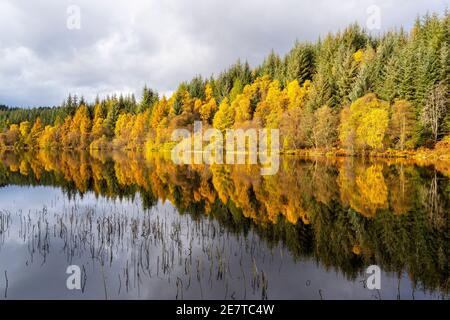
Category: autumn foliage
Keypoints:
(350, 93)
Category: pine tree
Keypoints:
(111, 117)
(149, 98)
(300, 63)
(365, 77)
(427, 74)
(406, 74)
(272, 66)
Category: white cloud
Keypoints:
(124, 44)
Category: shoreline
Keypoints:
(419, 154)
(440, 154)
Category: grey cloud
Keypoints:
(124, 44)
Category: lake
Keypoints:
(140, 227)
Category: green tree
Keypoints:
(403, 124)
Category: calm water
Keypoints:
(143, 228)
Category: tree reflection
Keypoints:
(346, 213)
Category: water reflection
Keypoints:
(239, 235)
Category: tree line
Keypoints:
(349, 91)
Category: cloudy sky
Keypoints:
(122, 45)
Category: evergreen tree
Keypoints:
(300, 63)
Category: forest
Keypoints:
(347, 93)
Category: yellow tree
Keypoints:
(138, 130)
(246, 102)
(224, 117)
(85, 129)
(208, 109)
(122, 130)
(324, 127)
(372, 128)
(364, 124)
(121, 125)
(65, 132)
(159, 122)
(48, 138)
(297, 94)
(278, 101)
(12, 136)
(242, 105)
(24, 128)
(160, 112)
(269, 111)
(98, 123)
(81, 127)
(97, 129)
(35, 132)
(187, 102)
